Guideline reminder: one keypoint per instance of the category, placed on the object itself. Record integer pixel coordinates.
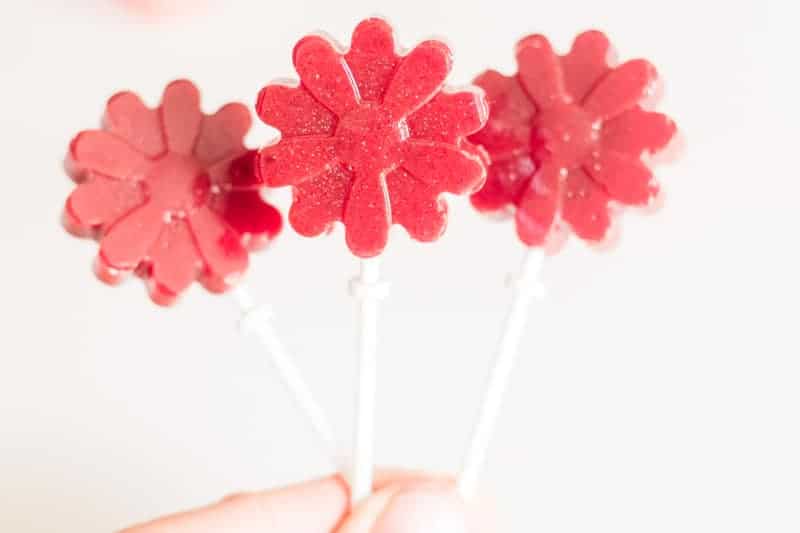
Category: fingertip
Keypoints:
(283, 510)
(395, 477)
(427, 508)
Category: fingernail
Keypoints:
(423, 510)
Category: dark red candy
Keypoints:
(566, 136)
(169, 193)
(370, 138)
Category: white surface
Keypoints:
(658, 391)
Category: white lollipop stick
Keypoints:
(526, 287)
(368, 290)
(257, 319)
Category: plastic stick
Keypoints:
(526, 286)
(368, 289)
(257, 319)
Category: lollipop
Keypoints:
(371, 138)
(171, 194)
(567, 136)
(168, 193)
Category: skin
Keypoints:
(402, 502)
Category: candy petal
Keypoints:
(222, 134)
(476, 151)
(444, 167)
(585, 206)
(416, 206)
(450, 116)
(320, 201)
(420, 75)
(325, 74)
(626, 178)
(181, 116)
(372, 58)
(293, 111)
(621, 89)
(636, 131)
(236, 172)
(511, 111)
(495, 86)
(295, 160)
(102, 152)
(506, 182)
(128, 241)
(175, 263)
(367, 216)
(540, 71)
(585, 64)
(537, 207)
(225, 259)
(256, 221)
(99, 201)
(128, 118)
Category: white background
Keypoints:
(658, 390)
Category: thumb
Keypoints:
(418, 508)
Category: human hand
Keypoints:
(400, 503)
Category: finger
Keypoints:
(367, 513)
(278, 511)
(410, 507)
(404, 477)
(404, 502)
(482, 514)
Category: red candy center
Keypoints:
(564, 132)
(369, 136)
(178, 183)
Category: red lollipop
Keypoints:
(566, 135)
(370, 138)
(169, 193)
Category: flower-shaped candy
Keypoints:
(169, 193)
(370, 138)
(566, 136)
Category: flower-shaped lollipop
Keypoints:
(566, 136)
(370, 138)
(169, 193)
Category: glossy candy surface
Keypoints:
(169, 193)
(567, 135)
(370, 138)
